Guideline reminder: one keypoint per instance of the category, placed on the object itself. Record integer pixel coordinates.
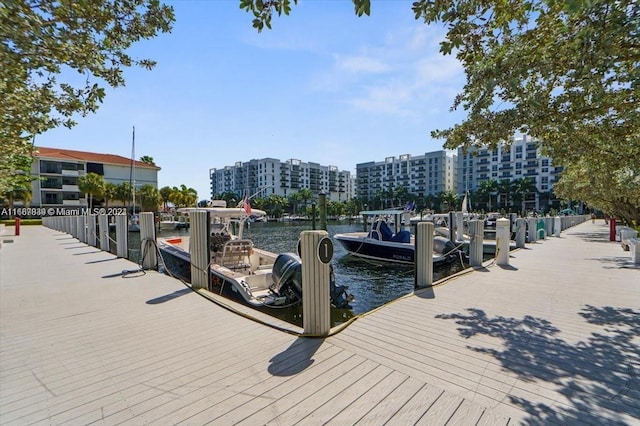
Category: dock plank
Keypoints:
(549, 339)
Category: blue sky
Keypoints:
(322, 86)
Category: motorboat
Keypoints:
(240, 270)
(134, 223)
(167, 222)
(380, 242)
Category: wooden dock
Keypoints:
(550, 339)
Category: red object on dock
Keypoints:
(17, 226)
(612, 229)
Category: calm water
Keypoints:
(371, 283)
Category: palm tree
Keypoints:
(189, 195)
(401, 194)
(92, 184)
(123, 192)
(449, 199)
(183, 196)
(110, 192)
(147, 159)
(522, 187)
(305, 195)
(165, 192)
(505, 190)
(149, 197)
(487, 189)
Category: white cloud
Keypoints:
(399, 77)
(360, 64)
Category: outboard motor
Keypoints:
(287, 281)
(287, 276)
(444, 246)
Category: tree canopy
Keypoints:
(565, 72)
(56, 58)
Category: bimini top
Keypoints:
(382, 212)
(231, 212)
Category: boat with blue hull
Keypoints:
(380, 242)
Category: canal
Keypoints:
(372, 284)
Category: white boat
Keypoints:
(168, 222)
(380, 242)
(134, 223)
(240, 270)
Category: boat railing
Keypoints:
(236, 255)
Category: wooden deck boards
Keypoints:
(550, 339)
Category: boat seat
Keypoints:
(385, 231)
(402, 237)
(236, 254)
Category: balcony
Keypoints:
(70, 188)
(81, 203)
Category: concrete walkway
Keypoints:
(551, 339)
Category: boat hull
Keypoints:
(178, 264)
(377, 250)
(386, 251)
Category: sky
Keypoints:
(322, 86)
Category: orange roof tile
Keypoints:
(68, 154)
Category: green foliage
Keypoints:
(92, 184)
(148, 159)
(183, 196)
(149, 197)
(43, 41)
(565, 72)
(263, 10)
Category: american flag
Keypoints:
(246, 206)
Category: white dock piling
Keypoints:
(634, 249)
(459, 226)
(149, 258)
(91, 230)
(316, 250)
(548, 226)
(122, 234)
(521, 232)
(476, 250)
(73, 222)
(103, 224)
(557, 226)
(82, 228)
(424, 254)
(532, 222)
(199, 248)
(502, 241)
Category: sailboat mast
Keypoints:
(132, 172)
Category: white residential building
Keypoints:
(521, 159)
(57, 172)
(270, 176)
(422, 175)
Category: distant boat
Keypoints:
(167, 222)
(379, 242)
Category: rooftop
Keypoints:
(94, 157)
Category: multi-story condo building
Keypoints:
(521, 159)
(269, 176)
(57, 172)
(421, 175)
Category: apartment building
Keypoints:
(422, 175)
(57, 172)
(270, 176)
(521, 159)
